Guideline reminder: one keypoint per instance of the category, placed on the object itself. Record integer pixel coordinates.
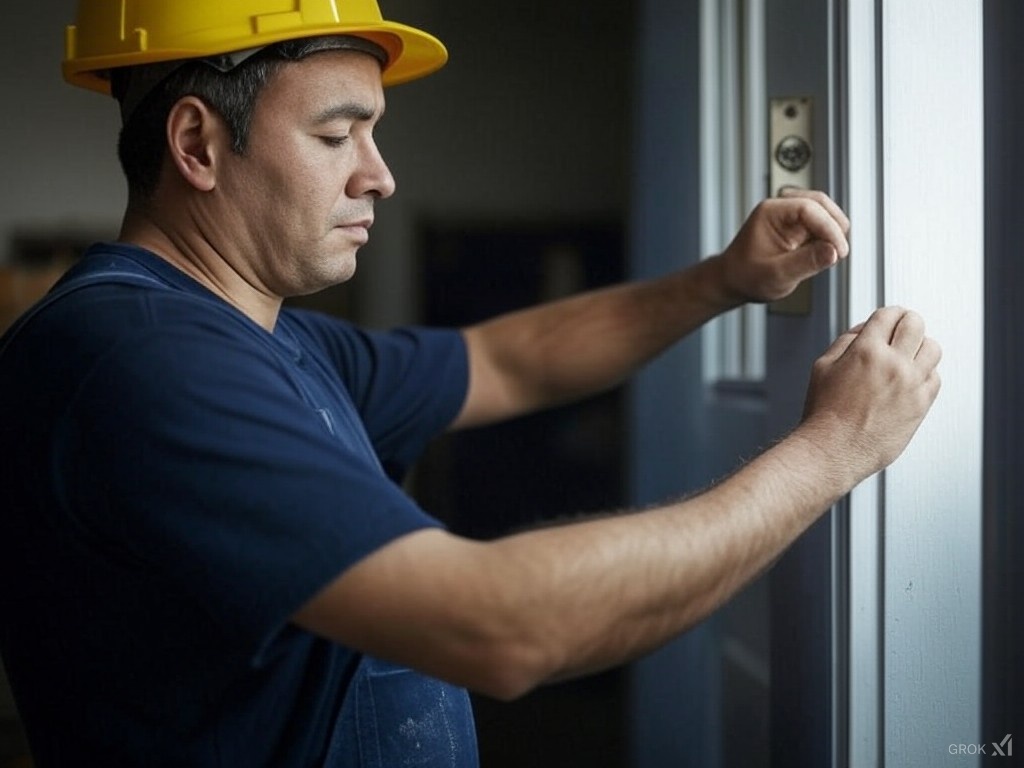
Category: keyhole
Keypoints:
(793, 153)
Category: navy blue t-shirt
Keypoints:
(177, 481)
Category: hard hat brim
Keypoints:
(412, 53)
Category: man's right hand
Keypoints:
(871, 390)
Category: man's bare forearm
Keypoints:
(626, 585)
(505, 616)
(575, 347)
(569, 349)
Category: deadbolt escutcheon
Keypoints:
(790, 144)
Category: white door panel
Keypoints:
(933, 256)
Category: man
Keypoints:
(205, 560)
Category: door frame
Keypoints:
(902, 553)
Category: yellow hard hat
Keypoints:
(110, 34)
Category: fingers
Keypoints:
(823, 200)
(821, 255)
(900, 328)
(908, 334)
(876, 383)
(805, 262)
(784, 241)
(929, 355)
(838, 347)
(903, 330)
(822, 220)
(881, 326)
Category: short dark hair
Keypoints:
(227, 87)
(141, 147)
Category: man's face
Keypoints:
(296, 206)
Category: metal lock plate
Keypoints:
(791, 165)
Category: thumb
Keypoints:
(816, 256)
(804, 263)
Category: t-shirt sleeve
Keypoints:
(187, 454)
(408, 384)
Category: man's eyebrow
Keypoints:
(351, 110)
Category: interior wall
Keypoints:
(60, 167)
(529, 120)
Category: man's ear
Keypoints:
(196, 139)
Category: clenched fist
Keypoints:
(784, 241)
(871, 390)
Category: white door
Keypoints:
(914, 158)
(862, 646)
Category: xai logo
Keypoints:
(1002, 748)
